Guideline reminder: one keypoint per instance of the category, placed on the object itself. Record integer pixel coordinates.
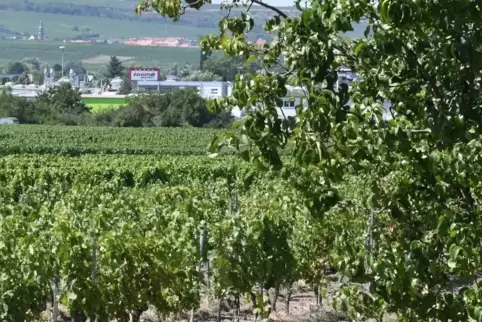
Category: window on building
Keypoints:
(285, 103)
(292, 103)
(214, 91)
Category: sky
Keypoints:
(280, 3)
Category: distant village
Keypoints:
(146, 41)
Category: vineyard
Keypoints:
(111, 222)
(76, 141)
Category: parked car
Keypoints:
(8, 120)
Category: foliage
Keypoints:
(126, 86)
(14, 106)
(115, 68)
(33, 63)
(223, 119)
(228, 67)
(171, 109)
(77, 66)
(420, 204)
(202, 76)
(135, 222)
(57, 67)
(15, 67)
(61, 104)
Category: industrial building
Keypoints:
(206, 89)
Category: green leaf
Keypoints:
(454, 251)
(358, 47)
(251, 59)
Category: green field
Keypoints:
(49, 52)
(99, 104)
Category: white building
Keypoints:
(205, 89)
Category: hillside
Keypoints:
(106, 19)
(95, 55)
(113, 19)
(66, 20)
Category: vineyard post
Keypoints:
(202, 237)
(236, 202)
(370, 241)
(55, 304)
(236, 208)
(94, 270)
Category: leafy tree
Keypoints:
(203, 57)
(133, 116)
(77, 66)
(223, 119)
(115, 68)
(23, 78)
(202, 76)
(170, 118)
(33, 63)
(14, 106)
(174, 70)
(419, 207)
(57, 67)
(192, 107)
(173, 109)
(63, 99)
(228, 67)
(126, 86)
(16, 68)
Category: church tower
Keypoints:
(41, 35)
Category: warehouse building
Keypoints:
(205, 89)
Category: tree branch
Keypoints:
(183, 9)
(267, 6)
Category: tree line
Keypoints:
(64, 105)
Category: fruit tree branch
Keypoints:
(267, 6)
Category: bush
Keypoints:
(19, 107)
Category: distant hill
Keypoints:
(107, 19)
(64, 19)
(95, 56)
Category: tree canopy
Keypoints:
(402, 195)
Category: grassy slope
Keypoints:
(49, 53)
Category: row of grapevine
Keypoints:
(75, 141)
(72, 228)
